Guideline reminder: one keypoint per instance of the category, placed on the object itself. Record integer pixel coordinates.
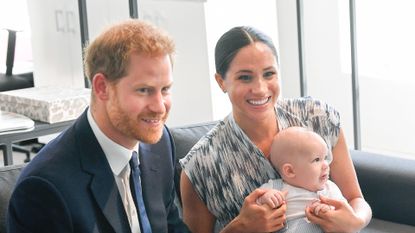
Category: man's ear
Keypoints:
(220, 81)
(288, 170)
(100, 86)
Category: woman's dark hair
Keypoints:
(233, 40)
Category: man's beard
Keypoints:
(131, 127)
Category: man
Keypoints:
(80, 181)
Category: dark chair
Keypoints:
(9, 81)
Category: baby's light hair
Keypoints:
(290, 144)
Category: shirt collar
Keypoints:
(117, 155)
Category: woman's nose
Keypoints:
(260, 86)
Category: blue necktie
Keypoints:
(135, 174)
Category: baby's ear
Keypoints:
(288, 170)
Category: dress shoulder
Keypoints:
(310, 113)
(307, 108)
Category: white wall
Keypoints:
(386, 56)
(326, 79)
(221, 16)
(102, 13)
(185, 21)
(288, 49)
(323, 56)
(56, 44)
(56, 37)
(196, 25)
(14, 15)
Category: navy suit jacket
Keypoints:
(69, 187)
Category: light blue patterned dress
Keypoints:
(225, 166)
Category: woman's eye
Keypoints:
(143, 90)
(245, 77)
(317, 160)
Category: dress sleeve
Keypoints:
(324, 120)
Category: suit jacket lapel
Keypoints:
(151, 154)
(157, 169)
(103, 186)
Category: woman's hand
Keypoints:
(340, 219)
(273, 198)
(317, 207)
(257, 218)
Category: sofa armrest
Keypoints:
(388, 185)
(8, 178)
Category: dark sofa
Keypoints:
(388, 183)
(8, 177)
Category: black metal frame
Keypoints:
(355, 80)
(83, 23)
(133, 9)
(301, 56)
(11, 47)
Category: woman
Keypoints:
(222, 173)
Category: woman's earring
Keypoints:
(224, 91)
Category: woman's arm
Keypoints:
(195, 213)
(350, 217)
(252, 217)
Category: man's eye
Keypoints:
(269, 74)
(166, 90)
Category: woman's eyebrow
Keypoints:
(243, 71)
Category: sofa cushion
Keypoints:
(381, 226)
(184, 138)
(187, 136)
(8, 177)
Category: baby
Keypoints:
(300, 157)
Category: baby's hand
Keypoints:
(316, 207)
(274, 198)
